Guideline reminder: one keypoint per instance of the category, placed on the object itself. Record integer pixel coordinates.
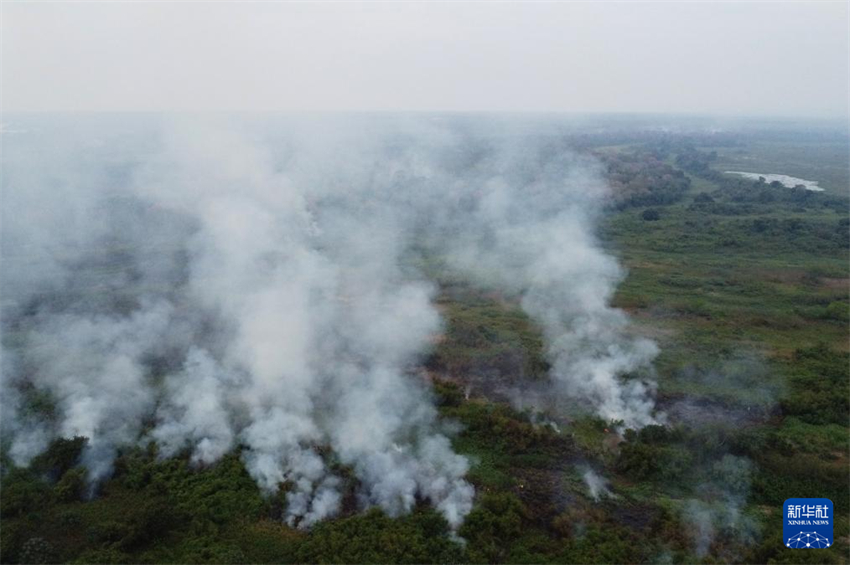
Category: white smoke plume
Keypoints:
(253, 286)
(194, 411)
(597, 485)
(719, 514)
(530, 231)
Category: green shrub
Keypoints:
(72, 486)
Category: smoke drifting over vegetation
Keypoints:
(723, 513)
(209, 287)
(597, 486)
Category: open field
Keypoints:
(824, 161)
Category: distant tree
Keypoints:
(650, 215)
(23, 491)
(766, 196)
(761, 224)
(493, 526)
(72, 486)
(62, 455)
(37, 550)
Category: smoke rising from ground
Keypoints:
(207, 287)
(597, 485)
(719, 514)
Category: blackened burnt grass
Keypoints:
(744, 287)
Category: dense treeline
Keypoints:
(740, 190)
(640, 178)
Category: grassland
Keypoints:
(822, 161)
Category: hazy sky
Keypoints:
(717, 58)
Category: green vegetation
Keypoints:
(743, 285)
(821, 160)
(485, 335)
(639, 177)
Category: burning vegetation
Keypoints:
(215, 336)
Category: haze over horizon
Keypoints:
(732, 59)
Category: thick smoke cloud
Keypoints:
(254, 286)
(529, 231)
